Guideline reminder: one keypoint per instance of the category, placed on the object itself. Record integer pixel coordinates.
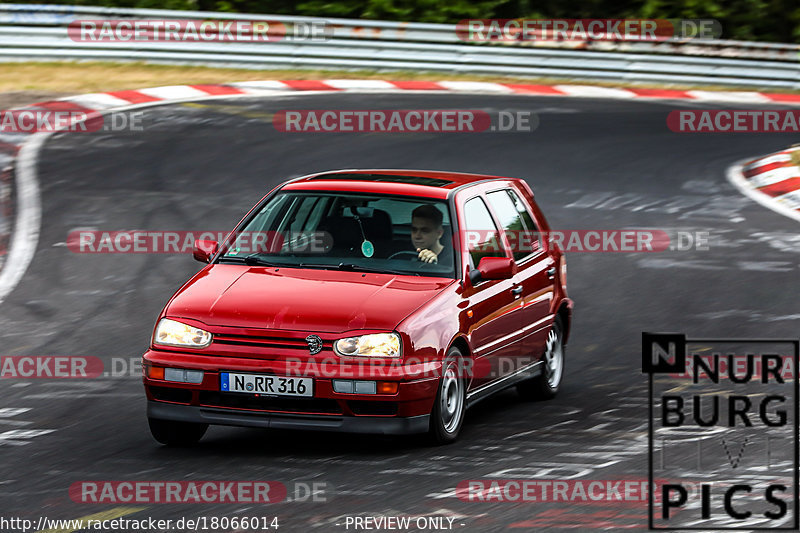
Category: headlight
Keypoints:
(373, 345)
(172, 333)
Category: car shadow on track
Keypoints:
(505, 408)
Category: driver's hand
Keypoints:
(426, 256)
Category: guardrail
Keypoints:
(39, 32)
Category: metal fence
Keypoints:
(39, 33)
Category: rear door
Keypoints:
(495, 329)
(535, 271)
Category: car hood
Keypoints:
(329, 301)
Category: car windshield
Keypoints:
(348, 231)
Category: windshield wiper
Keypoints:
(255, 260)
(359, 268)
(251, 260)
(316, 265)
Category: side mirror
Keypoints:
(493, 268)
(204, 250)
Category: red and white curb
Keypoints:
(773, 181)
(116, 99)
(183, 92)
(20, 150)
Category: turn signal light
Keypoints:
(387, 387)
(155, 372)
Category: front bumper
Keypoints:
(343, 424)
(405, 411)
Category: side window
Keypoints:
(523, 211)
(314, 218)
(517, 223)
(263, 223)
(535, 240)
(272, 213)
(481, 235)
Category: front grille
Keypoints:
(169, 394)
(262, 342)
(286, 405)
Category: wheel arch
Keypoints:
(565, 313)
(461, 343)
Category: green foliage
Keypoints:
(766, 20)
(430, 10)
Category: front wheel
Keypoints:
(176, 433)
(545, 386)
(447, 414)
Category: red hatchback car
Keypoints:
(368, 301)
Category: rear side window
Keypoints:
(481, 235)
(523, 211)
(303, 209)
(516, 221)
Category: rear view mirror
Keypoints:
(362, 212)
(204, 250)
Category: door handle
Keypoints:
(517, 290)
(551, 272)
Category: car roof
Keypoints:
(425, 183)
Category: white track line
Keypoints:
(27, 224)
(735, 176)
(28, 215)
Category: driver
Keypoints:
(426, 230)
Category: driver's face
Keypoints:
(424, 233)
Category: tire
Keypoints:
(447, 415)
(176, 433)
(546, 385)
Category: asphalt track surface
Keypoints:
(592, 164)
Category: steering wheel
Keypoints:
(404, 252)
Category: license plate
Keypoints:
(262, 384)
